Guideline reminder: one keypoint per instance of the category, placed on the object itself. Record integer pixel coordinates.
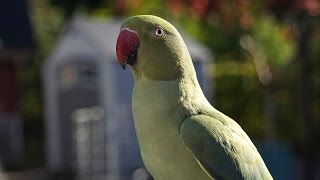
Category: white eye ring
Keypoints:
(159, 32)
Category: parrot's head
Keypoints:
(153, 48)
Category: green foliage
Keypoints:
(314, 53)
(154, 7)
(287, 120)
(222, 41)
(47, 24)
(238, 91)
(272, 38)
(70, 6)
(234, 97)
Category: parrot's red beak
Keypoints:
(127, 47)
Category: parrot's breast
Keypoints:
(157, 114)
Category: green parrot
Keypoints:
(181, 136)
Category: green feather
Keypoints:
(223, 151)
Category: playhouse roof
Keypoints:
(83, 36)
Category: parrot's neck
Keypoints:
(182, 96)
(159, 107)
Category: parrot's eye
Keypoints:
(159, 32)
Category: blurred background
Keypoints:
(65, 102)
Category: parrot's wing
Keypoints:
(219, 148)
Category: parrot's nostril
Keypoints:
(132, 59)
